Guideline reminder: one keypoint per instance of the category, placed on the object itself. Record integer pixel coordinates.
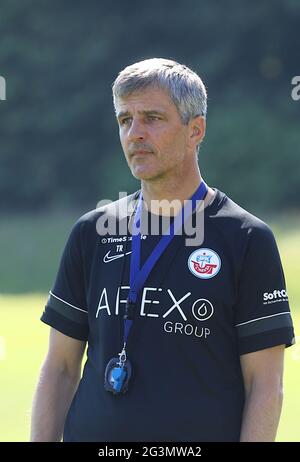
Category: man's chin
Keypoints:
(139, 174)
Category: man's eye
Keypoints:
(153, 117)
(125, 121)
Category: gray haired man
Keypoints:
(185, 343)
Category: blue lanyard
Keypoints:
(139, 275)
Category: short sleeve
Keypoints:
(66, 308)
(262, 312)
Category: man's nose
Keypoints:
(136, 130)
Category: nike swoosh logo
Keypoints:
(107, 258)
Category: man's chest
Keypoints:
(189, 286)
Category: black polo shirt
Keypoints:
(201, 308)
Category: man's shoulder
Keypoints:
(117, 211)
(234, 217)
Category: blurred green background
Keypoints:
(60, 153)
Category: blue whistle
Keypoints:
(118, 376)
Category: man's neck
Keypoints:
(171, 191)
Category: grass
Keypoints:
(22, 353)
(24, 339)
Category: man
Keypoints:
(185, 342)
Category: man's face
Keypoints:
(153, 137)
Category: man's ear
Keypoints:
(197, 129)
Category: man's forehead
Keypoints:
(145, 100)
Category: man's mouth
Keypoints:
(140, 152)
